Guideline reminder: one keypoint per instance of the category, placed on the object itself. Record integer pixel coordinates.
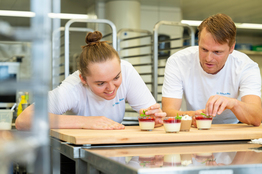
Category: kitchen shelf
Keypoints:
(253, 53)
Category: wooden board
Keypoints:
(132, 134)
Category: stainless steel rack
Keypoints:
(157, 67)
(135, 46)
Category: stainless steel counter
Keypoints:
(225, 157)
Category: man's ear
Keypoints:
(82, 79)
(232, 48)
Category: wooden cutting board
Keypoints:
(133, 134)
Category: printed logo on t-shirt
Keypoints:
(116, 103)
(223, 93)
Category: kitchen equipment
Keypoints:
(6, 117)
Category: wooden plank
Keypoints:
(132, 134)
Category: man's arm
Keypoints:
(172, 107)
(24, 121)
(248, 110)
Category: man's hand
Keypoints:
(198, 112)
(217, 104)
(101, 123)
(155, 111)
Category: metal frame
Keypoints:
(56, 54)
(148, 34)
(70, 22)
(155, 33)
(32, 147)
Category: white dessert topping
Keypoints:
(186, 117)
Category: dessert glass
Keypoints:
(172, 160)
(203, 122)
(146, 123)
(171, 124)
(186, 122)
(186, 159)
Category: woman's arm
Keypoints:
(24, 121)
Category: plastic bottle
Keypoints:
(18, 99)
(20, 108)
(27, 97)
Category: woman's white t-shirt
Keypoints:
(74, 96)
(184, 76)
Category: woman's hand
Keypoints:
(156, 112)
(101, 123)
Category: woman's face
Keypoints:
(105, 78)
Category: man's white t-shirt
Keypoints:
(72, 95)
(184, 76)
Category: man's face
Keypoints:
(212, 54)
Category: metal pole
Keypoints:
(41, 58)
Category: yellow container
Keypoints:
(20, 107)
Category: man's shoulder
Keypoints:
(241, 58)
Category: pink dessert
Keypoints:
(203, 122)
(146, 123)
(171, 124)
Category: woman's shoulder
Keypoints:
(125, 63)
(72, 81)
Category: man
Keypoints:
(213, 76)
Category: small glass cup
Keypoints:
(146, 123)
(171, 124)
(203, 122)
(186, 122)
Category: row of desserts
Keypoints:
(175, 124)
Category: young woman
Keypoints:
(97, 92)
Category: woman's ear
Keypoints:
(82, 79)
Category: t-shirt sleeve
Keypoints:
(250, 82)
(173, 84)
(62, 99)
(138, 94)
